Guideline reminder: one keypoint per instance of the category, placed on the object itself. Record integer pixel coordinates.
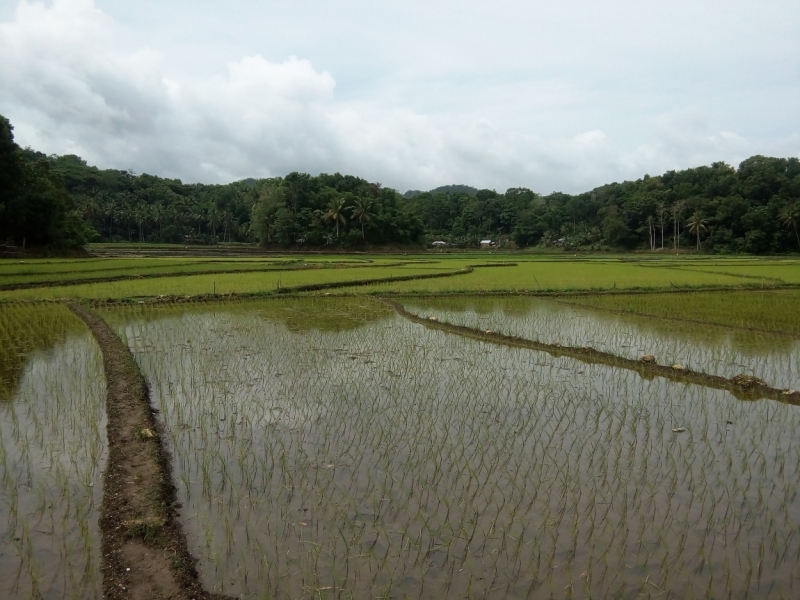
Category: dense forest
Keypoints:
(60, 202)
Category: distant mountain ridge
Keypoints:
(446, 189)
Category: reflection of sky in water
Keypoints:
(375, 453)
(53, 447)
(708, 349)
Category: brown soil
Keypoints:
(144, 553)
(752, 389)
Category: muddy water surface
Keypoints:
(52, 455)
(709, 349)
(378, 457)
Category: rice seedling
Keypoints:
(379, 457)
(520, 272)
(118, 272)
(24, 329)
(76, 273)
(713, 350)
(772, 310)
(221, 283)
(558, 275)
(784, 271)
(52, 452)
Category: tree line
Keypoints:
(60, 201)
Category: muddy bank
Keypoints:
(144, 553)
(744, 389)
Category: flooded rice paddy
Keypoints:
(52, 454)
(330, 448)
(705, 348)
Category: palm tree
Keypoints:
(229, 222)
(213, 220)
(158, 218)
(677, 209)
(362, 212)
(141, 215)
(789, 216)
(336, 213)
(697, 224)
(199, 217)
(662, 213)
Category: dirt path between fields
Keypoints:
(144, 553)
(745, 389)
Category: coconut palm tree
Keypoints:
(362, 212)
(158, 214)
(677, 210)
(213, 218)
(697, 224)
(229, 222)
(790, 215)
(141, 215)
(335, 213)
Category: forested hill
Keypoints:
(62, 201)
(446, 189)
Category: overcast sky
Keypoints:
(551, 95)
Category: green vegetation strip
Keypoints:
(728, 273)
(76, 278)
(279, 291)
(216, 283)
(144, 550)
(359, 282)
(743, 388)
(567, 276)
(140, 265)
(586, 293)
(88, 280)
(772, 311)
(24, 329)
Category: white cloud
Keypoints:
(685, 138)
(74, 80)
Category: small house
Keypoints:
(487, 244)
(439, 244)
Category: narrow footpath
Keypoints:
(144, 553)
(742, 387)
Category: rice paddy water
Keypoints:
(52, 454)
(327, 447)
(707, 348)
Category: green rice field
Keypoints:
(773, 311)
(52, 454)
(221, 283)
(325, 444)
(350, 450)
(121, 278)
(706, 348)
